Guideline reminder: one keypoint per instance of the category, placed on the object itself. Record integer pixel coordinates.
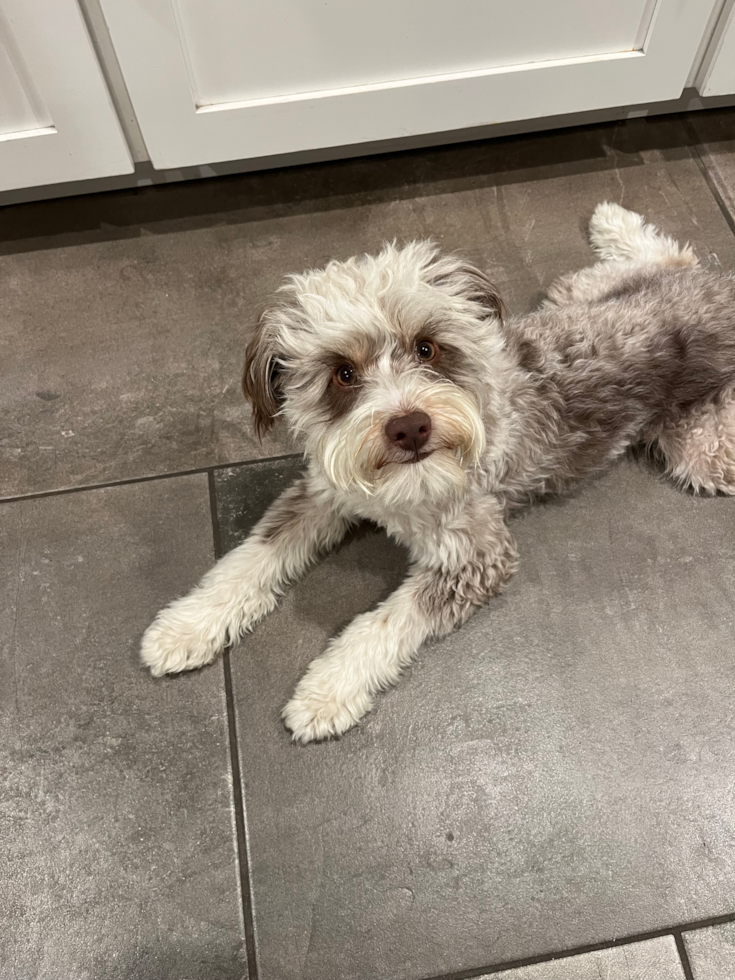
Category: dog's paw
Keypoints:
(173, 643)
(321, 708)
(311, 718)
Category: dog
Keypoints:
(423, 409)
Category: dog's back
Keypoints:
(618, 369)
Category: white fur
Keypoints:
(241, 588)
(340, 686)
(487, 446)
(619, 235)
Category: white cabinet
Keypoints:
(719, 75)
(57, 122)
(237, 79)
(210, 81)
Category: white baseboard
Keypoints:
(145, 175)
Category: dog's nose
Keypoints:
(409, 431)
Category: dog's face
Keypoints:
(386, 366)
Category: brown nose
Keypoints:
(409, 431)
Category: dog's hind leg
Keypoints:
(699, 450)
(623, 242)
(588, 285)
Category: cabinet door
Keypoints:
(232, 79)
(56, 119)
(719, 77)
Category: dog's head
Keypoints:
(390, 367)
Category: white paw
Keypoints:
(174, 642)
(320, 709)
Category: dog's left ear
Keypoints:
(261, 382)
(467, 282)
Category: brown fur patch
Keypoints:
(474, 285)
(340, 398)
(288, 513)
(451, 595)
(260, 376)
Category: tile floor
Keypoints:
(547, 796)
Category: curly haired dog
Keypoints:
(423, 411)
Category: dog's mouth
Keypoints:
(416, 458)
(409, 461)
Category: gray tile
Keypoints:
(712, 952)
(716, 133)
(241, 502)
(123, 318)
(117, 856)
(555, 774)
(656, 959)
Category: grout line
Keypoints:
(242, 841)
(704, 169)
(237, 789)
(146, 479)
(675, 931)
(683, 955)
(714, 920)
(258, 459)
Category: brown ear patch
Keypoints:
(260, 381)
(473, 285)
(481, 290)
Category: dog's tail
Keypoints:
(618, 235)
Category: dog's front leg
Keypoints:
(245, 584)
(439, 593)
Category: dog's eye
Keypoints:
(345, 376)
(426, 350)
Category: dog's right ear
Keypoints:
(261, 376)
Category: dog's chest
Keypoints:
(417, 527)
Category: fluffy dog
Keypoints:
(422, 410)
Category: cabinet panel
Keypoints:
(242, 51)
(246, 79)
(720, 74)
(21, 109)
(56, 119)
